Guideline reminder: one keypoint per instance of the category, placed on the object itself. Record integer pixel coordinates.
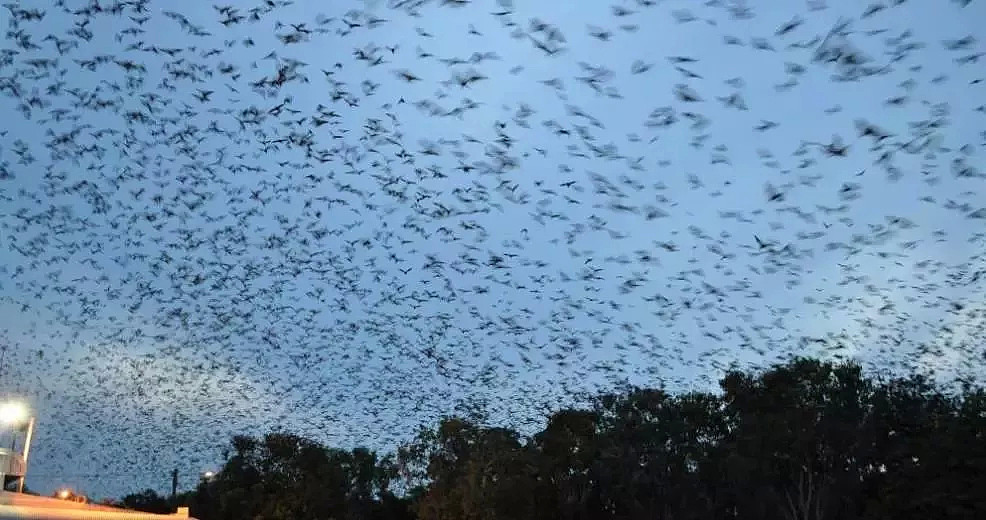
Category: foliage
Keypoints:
(802, 441)
(284, 476)
(147, 501)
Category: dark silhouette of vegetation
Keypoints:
(806, 440)
(148, 501)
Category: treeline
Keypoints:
(802, 441)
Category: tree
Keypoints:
(797, 430)
(931, 451)
(803, 440)
(285, 476)
(474, 473)
(147, 501)
(567, 450)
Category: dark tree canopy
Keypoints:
(806, 440)
(148, 501)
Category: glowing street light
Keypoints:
(13, 413)
(71, 496)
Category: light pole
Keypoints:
(14, 414)
(27, 451)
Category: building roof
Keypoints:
(19, 505)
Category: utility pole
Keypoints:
(27, 451)
(174, 484)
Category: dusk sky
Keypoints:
(348, 219)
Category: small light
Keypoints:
(64, 494)
(209, 474)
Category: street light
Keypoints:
(71, 496)
(14, 414)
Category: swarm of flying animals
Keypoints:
(349, 221)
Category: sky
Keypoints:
(394, 211)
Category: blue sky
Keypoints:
(144, 333)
